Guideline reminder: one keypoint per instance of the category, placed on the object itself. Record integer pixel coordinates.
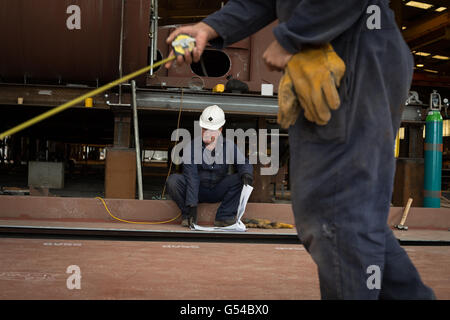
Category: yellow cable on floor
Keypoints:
(135, 222)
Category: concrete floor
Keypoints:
(36, 269)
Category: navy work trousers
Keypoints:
(227, 191)
(342, 176)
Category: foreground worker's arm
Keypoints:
(301, 22)
(302, 47)
(313, 22)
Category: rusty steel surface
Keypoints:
(52, 40)
(422, 235)
(130, 209)
(120, 172)
(408, 182)
(26, 207)
(36, 269)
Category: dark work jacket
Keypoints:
(209, 173)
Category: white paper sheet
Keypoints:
(239, 225)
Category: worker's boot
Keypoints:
(224, 223)
(190, 218)
(189, 221)
(185, 221)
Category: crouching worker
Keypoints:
(210, 181)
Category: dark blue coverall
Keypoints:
(342, 174)
(210, 182)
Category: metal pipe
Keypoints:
(152, 28)
(153, 32)
(117, 104)
(155, 37)
(136, 140)
(121, 49)
(170, 100)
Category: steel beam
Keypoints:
(167, 100)
(197, 101)
(422, 29)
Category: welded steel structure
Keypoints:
(95, 42)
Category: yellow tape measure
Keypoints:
(183, 42)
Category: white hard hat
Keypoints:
(212, 118)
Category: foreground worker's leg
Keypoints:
(342, 173)
(176, 187)
(339, 225)
(400, 278)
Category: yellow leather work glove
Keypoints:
(310, 80)
(288, 106)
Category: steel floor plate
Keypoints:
(36, 269)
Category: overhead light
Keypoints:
(403, 28)
(401, 133)
(423, 54)
(441, 57)
(419, 65)
(432, 71)
(446, 128)
(440, 9)
(420, 5)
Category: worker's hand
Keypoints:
(315, 74)
(247, 179)
(276, 57)
(202, 34)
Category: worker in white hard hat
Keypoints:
(210, 181)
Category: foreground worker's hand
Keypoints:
(312, 76)
(276, 57)
(202, 34)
